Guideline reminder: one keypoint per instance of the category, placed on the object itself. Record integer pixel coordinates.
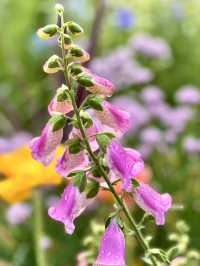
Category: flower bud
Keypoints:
(80, 180)
(59, 8)
(74, 145)
(78, 54)
(94, 101)
(92, 189)
(47, 31)
(74, 28)
(67, 41)
(75, 69)
(57, 121)
(52, 65)
(85, 80)
(86, 119)
(62, 93)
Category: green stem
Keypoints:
(37, 212)
(125, 209)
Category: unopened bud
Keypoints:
(87, 121)
(85, 80)
(74, 145)
(62, 93)
(59, 8)
(47, 31)
(57, 121)
(75, 69)
(78, 54)
(52, 65)
(74, 28)
(67, 41)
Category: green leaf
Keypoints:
(80, 180)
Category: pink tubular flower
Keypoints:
(68, 162)
(59, 106)
(124, 162)
(101, 85)
(152, 202)
(112, 247)
(113, 119)
(71, 204)
(44, 146)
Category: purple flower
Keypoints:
(71, 204)
(188, 94)
(152, 202)
(124, 162)
(191, 144)
(150, 46)
(44, 146)
(125, 18)
(18, 213)
(113, 119)
(68, 162)
(152, 95)
(151, 136)
(112, 247)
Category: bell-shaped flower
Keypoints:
(60, 103)
(153, 202)
(112, 247)
(124, 162)
(71, 204)
(113, 119)
(44, 146)
(68, 162)
(100, 85)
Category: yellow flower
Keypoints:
(20, 173)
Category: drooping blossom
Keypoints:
(191, 144)
(44, 146)
(188, 95)
(112, 247)
(68, 162)
(71, 204)
(152, 202)
(150, 46)
(101, 85)
(152, 95)
(113, 119)
(18, 213)
(125, 162)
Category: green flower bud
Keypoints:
(85, 80)
(80, 180)
(94, 101)
(103, 139)
(57, 121)
(47, 31)
(59, 8)
(92, 189)
(75, 69)
(86, 119)
(74, 28)
(74, 145)
(78, 54)
(67, 41)
(62, 93)
(52, 65)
